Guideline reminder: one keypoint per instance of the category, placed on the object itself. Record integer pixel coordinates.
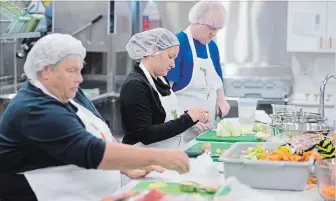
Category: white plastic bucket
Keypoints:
(247, 110)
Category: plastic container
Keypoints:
(247, 110)
(273, 175)
(151, 16)
(325, 177)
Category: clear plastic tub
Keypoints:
(247, 110)
(273, 175)
(325, 176)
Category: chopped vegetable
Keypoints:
(259, 127)
(153, 195)
(188, 187)
(282, 153)
(285, 148)
(206, 147)
(191, 187)
(226, 129)
(254, 153)
(157, 185)
(311, 180)
(219, 151)
(210, 188)
(329, 192)
(285, 155)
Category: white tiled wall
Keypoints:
(309, 69)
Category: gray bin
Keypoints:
(273, 175)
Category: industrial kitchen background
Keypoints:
(253, 46)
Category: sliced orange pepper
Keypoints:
(329, 191)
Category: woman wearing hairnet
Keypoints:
(150, 113)
(197, 77)
(54, 145)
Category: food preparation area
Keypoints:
(293, 171)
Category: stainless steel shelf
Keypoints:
(20, 35)
(104, 96)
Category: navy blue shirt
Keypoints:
(38, 131)
(182, 72)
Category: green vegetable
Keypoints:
(254, 153)
(188, 187)
(286, 148)
(212, 189)
(259, 127)
(226, 129)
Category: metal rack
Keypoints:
(13, 38)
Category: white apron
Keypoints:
(173, 111)
(201, 92)
(70, 182)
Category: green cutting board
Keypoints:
(172, 188)
(211, 136)
(214, 145)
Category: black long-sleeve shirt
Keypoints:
(142, 115)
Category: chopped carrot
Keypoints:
(329, 191)
(309, 154)
(311, 180)
(280, 155)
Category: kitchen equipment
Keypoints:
(211, 136)
(196, 149)
(247, 110)
(293, 120)
(273, 175)
(273, 82)
(322, 92)
(170, 188)
(87, 25)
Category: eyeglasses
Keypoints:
(212, 28)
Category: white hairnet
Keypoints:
(49, 50)
(150, 42)
(211, 13)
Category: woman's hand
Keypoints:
(222, 107)
(141, 173)
(155, 168)
(201, 127)
(198, 114)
